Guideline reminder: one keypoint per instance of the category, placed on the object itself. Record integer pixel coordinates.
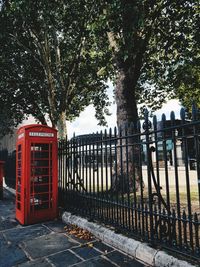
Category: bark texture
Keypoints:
(61, 125)
(127, 177)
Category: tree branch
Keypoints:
(27, 49)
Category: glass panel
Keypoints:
(18, 206)
(42, 206)
(42, 197)
(19, 180)
(41, 188)
(40, 201)
(40, 171)
(19, 172)
(40, 154)
(41, 163)
(41, 179)
(19, 168)
(41, 176)
(19, 189)
(40, 147)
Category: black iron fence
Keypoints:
(144, 180)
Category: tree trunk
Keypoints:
(61, 126)
(127, 176)
(125, 99)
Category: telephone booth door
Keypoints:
(37, 159)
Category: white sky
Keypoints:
(87, 123)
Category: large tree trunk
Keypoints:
(127, 174)
(61, 126)
(125, 99)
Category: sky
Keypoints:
(87, 123)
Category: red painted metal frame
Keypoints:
(36, 200)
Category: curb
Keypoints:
(12, 191)
(136, 249)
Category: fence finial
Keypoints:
(172, 116)
(182, 114)
(155, 122)
(163, 117)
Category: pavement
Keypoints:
(48, 244)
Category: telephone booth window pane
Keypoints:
(40, 154)
(19, 173)
(41, 176)
(40, 163)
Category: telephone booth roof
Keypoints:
(30, 126)
(36, 130)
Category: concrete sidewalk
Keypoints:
(48, 244)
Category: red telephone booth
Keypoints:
(36, 174)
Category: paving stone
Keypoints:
(36, 263)
(56, 226)
(64, 258)
(7, 224)
(25, 233)
(2, 240)
(96, 262)
(123, 260)
(7, 209)
(102, 247)
(11, 255)
(86, 252)
(46, 245)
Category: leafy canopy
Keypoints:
(154, 42)
(50, 63)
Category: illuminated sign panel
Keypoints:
(41, 134)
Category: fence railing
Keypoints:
(143, 179)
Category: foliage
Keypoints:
(50, 62)
(150, 41)
(171, 56)
(188, 86)
(56, 55)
